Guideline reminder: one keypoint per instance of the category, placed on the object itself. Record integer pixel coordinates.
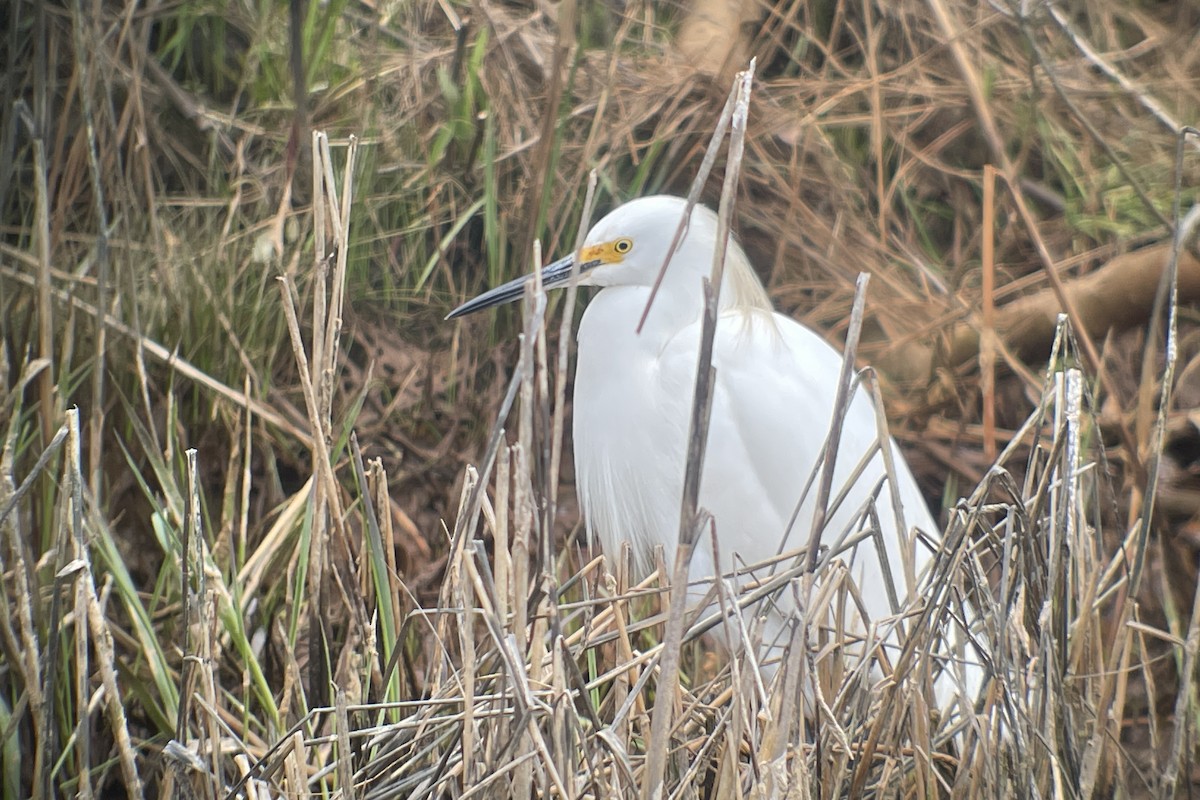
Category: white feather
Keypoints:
(773, 403)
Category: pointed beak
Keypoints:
(553, 276)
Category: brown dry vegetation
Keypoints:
(156, 176)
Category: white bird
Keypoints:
(773, 402)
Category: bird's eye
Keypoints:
(623, 246)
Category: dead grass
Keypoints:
(285, 606)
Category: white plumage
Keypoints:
(774, 395)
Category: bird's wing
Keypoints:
(773, 402)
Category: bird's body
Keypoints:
(773, 403)
(773, 399)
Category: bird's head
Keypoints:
(628, 248)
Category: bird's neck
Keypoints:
(680, 300)
(615, 314)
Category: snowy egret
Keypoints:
(774, 395)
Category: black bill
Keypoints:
(553, 275)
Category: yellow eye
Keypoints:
(623, 246)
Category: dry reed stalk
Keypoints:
(507, 595)
(987, 337)
(18, 562)
(102, 641)
(344, 751)
(521, 551)
(1185, 702)
(67, 519)
(692, 520)
(564, 349)
(449, 589)
(316, 374)
(466, 631)
(47, 405)
(294, 769)
(74, 519)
